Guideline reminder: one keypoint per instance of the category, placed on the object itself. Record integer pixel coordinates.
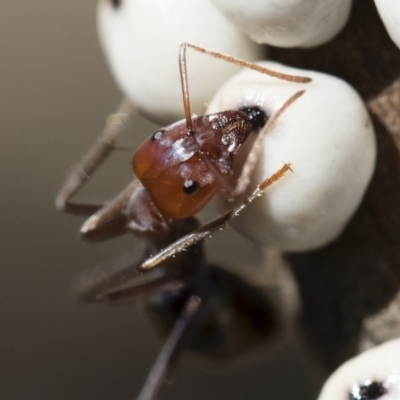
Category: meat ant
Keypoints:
(179, 169)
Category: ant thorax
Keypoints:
(182, 168)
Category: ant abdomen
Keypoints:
(236, 318)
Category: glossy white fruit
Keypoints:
(328, 139)
(287, 23)
(389, 11)
(376, 370)
(141, 40)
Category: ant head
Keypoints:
(182, 169)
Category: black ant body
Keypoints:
(178, 170)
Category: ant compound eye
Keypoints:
(157, 134)
(189, 187)
(258, 117)
(370, 390)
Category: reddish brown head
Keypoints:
(178, 168)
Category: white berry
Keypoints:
(389, 11)
(288, 23)
(376, 371)
(326, 136)
(141, 40)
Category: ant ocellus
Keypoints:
(178, 170)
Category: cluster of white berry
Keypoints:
(326, 135)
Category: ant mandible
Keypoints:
(179, 169)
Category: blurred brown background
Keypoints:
(56, 92)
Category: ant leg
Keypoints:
(110, 220)
(170, 350)
(92, 160)
(122, 282)
(208, 229)
(252, 158)
(125, 283)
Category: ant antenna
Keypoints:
(185, 88)
(247, 64)
(233, 60)
(254, 154)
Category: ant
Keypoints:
(211, 311)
